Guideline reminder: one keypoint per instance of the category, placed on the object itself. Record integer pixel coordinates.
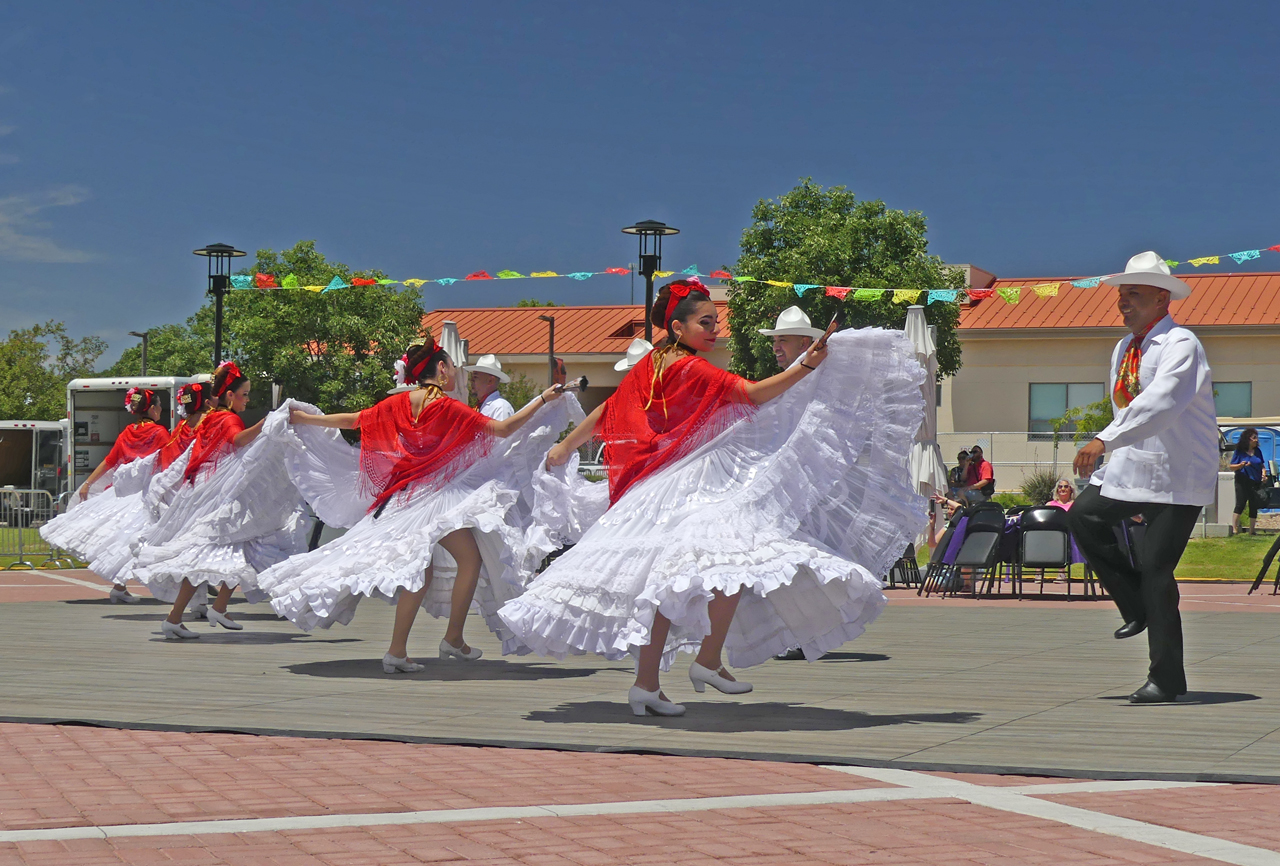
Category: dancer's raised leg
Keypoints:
(185, 593)
(646, 695)
(707, 669)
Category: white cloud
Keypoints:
(18, 220)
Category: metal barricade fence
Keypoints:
(22, 513)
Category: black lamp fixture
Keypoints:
(145, 336)
(219, 256)
(651, 233)
(551, 349)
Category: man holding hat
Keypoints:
(1163, 447)
(486, 373)
(792, 336)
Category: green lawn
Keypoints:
(34, 548)
(1235, 558)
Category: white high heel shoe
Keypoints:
(198, 610)
(221, 619)
(176, 631)
(447, 650)
(702, 677)
(652, 702)
(391, 665)
(122, 596)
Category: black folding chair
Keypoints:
(906, 569)
(939, 576)
(1045, 544)
(979, 553)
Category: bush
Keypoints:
(1011, 500)
(1039, 485)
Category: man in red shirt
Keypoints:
(980, 479)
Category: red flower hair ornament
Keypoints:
(139, 400)
(233, 373)
(680, 290)
(404, 373)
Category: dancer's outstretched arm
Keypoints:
(507, 426)
(766, 389)
(343, 420)
(559, 455)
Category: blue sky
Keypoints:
(434, 139)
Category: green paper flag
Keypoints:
(1011, 294)
(290, 282)
(867, 294)
(510, 275)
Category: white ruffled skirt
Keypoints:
(90, 527)
(379, 557)
(233, 523)
(802, 507)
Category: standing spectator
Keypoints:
(486, 375)
(1247, 463)
(956, 476)
(980, 479)
(1064, 495)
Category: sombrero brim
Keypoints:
(501, 376)
(1176, 288)
(623, 365)
(790, 332)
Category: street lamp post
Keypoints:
(219, 256)
(551, 349)
(144, 335)
(651, 233)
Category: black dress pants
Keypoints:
(1149, 593)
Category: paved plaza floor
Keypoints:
(952, 732)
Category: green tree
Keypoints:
(335, 349)
(172, 350)
(519, 391)
(828, 237)
(36, 364)
(534, 302)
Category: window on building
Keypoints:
(1233, 399)
(1051, 400)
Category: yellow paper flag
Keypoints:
(544, 274)
(779, 284)
(662, 275)
(314, 288)
(1204, 260)
(908, 295)
(417, 284)
(1047, 290)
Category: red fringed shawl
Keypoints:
(135, 441)
(177, 443)
(212, 440)
(398, 453)
(650, 422)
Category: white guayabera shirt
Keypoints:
(497, 408)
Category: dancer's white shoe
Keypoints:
(393, 665)
(702, 677)
(642, 702)
(447, 650)
(176, 631)
(122, 596)
(221, 619)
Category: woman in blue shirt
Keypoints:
(1246, 462)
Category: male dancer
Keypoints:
(792, 336)
(486, 373)
(1163, 444)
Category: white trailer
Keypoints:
(96, 413)
(33, 455)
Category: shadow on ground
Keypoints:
(444, 670)
(732, 718)
(855, 657)
(190, 620)
(251, 638)
(1192, 699)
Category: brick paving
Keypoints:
(60, 776)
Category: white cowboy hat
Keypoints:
(792, 320)
(488, 364)
(635, 353)
(1149, 269)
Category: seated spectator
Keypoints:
(956, 475)
(980, 478)
(1064, 495)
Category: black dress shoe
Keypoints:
(1152, 694)
(791, 655)
(1129, 629)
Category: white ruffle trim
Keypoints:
(804, 506)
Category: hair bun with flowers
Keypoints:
(681, 289)
(423, 352)
(139, 400)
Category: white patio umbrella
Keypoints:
(453, 343)
(928, 472)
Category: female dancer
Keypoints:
(114, 561)
(232, 510)
(752, 515)
(84, 529)
(436, 493)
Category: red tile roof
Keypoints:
(1216, 299)
(579, 330)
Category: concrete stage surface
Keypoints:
(1032, 688)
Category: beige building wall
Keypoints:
(988, 401)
